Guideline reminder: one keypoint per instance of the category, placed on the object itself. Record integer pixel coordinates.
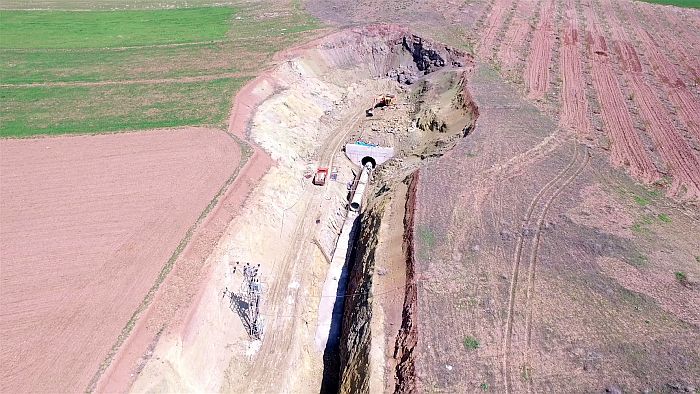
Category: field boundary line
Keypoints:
(154, 46)
(154, 81)
(167, 268)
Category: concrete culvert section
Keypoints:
(367, 160)
(310, 106)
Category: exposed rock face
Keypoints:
(356, 333)
(442, 108)
(425, 58)
(429, 120)
(406, 341)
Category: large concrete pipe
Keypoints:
(356, 202)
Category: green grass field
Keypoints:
(97, 29)
(42, 110)
(677, 3)
(228, 45)
(110, 4)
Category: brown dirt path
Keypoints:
(534, 204)
(172, 306)
(282, 333)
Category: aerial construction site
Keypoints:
(317, 196)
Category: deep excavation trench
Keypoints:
(378, 328)
(306, 109)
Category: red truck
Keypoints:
(320, 177)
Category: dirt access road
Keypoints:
(276, 362)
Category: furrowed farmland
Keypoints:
(263, 196)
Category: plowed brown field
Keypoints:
(515, 35)
(628, 78)
(516, 293)
(537, 67)
(88, 223)
(574, 109)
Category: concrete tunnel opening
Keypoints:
(368, 160)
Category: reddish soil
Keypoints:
(677, 90)
(88, 224)
(574, 108)
(516, 33)
(626, 145)
(540, 55)
(671, 29)
(492, 26)
(627, 80)
(682, 163)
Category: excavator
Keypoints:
(383, 100)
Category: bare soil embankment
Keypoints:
(376, 351)
(169, 311)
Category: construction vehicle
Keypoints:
(320, 177)
(384, 100)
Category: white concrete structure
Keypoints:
(356, 202)
(330, 308)
(361, 154)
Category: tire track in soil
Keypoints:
(626, 146)
(536, 74)
(530, 293)
(516, 268)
